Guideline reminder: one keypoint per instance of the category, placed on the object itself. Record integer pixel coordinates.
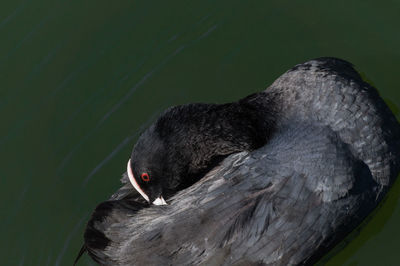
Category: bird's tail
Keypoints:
(98, 237)
(83, 249)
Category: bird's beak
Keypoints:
(134, 183)
(159, 201)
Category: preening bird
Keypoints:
(276, 178)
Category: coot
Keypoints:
(277, 178)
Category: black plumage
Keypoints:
(308, 160)
(187, 141)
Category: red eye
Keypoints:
(145, 177)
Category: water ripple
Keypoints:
(68, 239)
(118, 148)
(12, 15)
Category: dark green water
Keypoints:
(80, 79)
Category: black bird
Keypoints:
(277, 178)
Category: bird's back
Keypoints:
(329, 91)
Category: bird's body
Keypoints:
(332, 155)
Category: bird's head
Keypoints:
(147, 167)
(145, 181)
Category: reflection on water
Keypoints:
(350, 251)
(80, 80)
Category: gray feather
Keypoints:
(334, 155)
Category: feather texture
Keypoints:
(333, 155)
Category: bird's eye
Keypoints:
(145, 177)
